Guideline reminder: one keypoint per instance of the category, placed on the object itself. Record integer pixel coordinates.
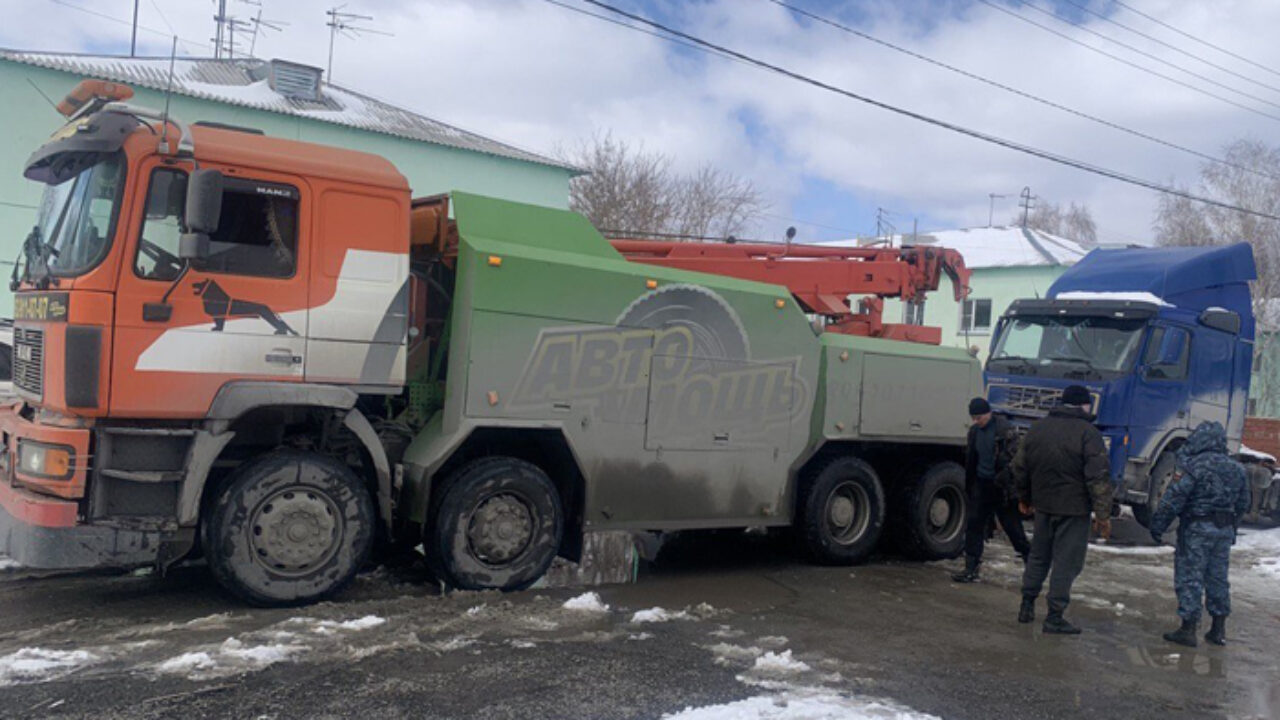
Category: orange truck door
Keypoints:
(238, 314)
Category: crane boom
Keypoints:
(822, 278)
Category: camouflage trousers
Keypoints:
(1200, 569)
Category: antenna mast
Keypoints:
(345, 23)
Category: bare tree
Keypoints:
(636, 191)
(1252, 180)
(1073, 222)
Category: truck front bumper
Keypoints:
(39, 530)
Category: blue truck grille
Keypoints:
(1024, 399)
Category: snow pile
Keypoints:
(779, 663)
(802, 704)
(658, 615)
(1142, 297)
(586, 602)
(8, 563)
(232, 657)
(35, 664)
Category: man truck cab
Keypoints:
(1163, 339)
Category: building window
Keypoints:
(975, 316)
(913, 312)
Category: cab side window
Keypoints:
(257, 231)
(1167, 354)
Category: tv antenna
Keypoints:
(1028, 202)
(346, 24)
(259, 24)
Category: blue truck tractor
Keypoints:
(1162, 337)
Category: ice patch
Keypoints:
(586, 602)
(658, 615)
(802, 704)
(782, 662)
(36, 664)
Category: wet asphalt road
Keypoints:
(140, 647)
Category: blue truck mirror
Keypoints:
(1220, 319)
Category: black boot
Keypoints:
(1055, 624)
(1027, 612)
(1185, 635)
(1218, 632)
(970, 572)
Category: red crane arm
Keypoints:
(822, 278)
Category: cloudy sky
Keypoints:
(543, 77)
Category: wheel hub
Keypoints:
(939, 512)
(501, 528)
(294, 530)
(848, 513)
(841, 511)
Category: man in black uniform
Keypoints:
(1061, 472)
(992, 444)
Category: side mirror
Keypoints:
(204, 208)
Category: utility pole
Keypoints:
(345, 23)
(133, 37)
(220, 18)
(1028, 202)
(991, 214)
(883, 225)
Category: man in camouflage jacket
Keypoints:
(1209, 495)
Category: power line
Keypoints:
(1132, 64)
(1016, 91)
(995, 140)
(1206, 43)
(120, 21)
(1131, 48)
(1171, 46)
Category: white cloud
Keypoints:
(540, 77)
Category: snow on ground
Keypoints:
(39, 664)
(8, 563)
(803, 704)
(1110, 549)
(658, 615)
(1260, 550)
(780, 663)
(232, 657)
(586, 602)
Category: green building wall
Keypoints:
(27, 121)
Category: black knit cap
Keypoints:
(1076, 395)
(979, 406)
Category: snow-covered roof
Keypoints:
(1142, 297)
(995, 247)
(243, 82)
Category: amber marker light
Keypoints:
(495, 261)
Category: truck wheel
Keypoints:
(842, 513)
(1161, 477)
(497, 526)
(289, 528)
(929, 513)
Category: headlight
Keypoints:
(46, 461)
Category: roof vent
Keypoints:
(294, 80)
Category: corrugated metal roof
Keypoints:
(243, 82)
(996, 247)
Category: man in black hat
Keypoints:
(1061, 473)
(992, 444)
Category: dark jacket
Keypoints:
(1006, 448)
(1061, 467)
(1207, 482)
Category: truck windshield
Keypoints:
(76, 217)
(1068, 346)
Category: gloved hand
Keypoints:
(1103, 528)
(1157, 538)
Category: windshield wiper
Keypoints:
(1083, 361)
(1019, 359)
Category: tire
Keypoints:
(929, 513)
(1161, 476)
(842, 512)
(497, 526)
(289, 528)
